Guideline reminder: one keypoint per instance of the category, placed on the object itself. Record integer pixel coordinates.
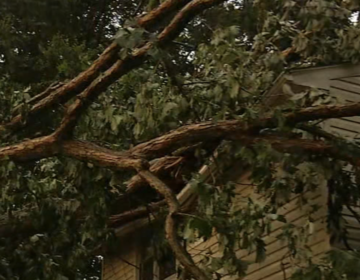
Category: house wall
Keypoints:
(346, 90)
(341, 82)
(276, 264)
(121, 264)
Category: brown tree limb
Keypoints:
(135, 213)
(171, 225)
(160, 146)
(304, 145)
(38, 97)
(21, 222)
(154, 16)
(105, 60)
(99, 85)
(317, 131)
(33, 149)
(118, 160)
(161, 165)
(122, 67)
(231, 129)
(68, 90)
(88, 152)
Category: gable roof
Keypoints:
(319, 76)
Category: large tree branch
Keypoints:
(130, 215)
(82, 81)
(38, 97)
(88, 152)
(153, 17)
(161, 165)
(231, 129)
(67, 91)
(163, 145)
(171, 225)
(33, 149)
(132, 61)
(118, 160)
(48, 146)
(20, 221)
(304, 145)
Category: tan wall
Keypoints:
(352, 225)
(121, 266)
(276, 263)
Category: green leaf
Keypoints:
(260, 251)
(203, 227)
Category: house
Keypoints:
(131, 260)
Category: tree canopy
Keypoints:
(110, 108)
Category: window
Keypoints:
(152, 269)
(147, 269)
(167, 266)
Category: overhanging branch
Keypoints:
(122, 67)
(83, 80)
(304, 145)
(161, 165)
(184, 136)
(232, 129)
(171, 225)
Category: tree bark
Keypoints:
(171, 225)
(232, 129)
(122, 67)
(82, 81)
(161, 165)
(184, 136)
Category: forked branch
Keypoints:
(84, 79)
(237, 130)
(171, 225)
(232, 129)
(122, 67)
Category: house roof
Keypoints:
(319, 75)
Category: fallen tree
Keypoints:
(35, 157)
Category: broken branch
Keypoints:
(105, 60)
(184, 136)
(231, 129)
(122, 67)
(171, 225)
(304, 145)
(158, 166)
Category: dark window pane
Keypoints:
(147, 269)
(167, 266)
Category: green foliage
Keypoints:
(221, 65)
(335, 265)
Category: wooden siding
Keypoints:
(352, 225)
(122, 265)
(346, 90)
(276, 250)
